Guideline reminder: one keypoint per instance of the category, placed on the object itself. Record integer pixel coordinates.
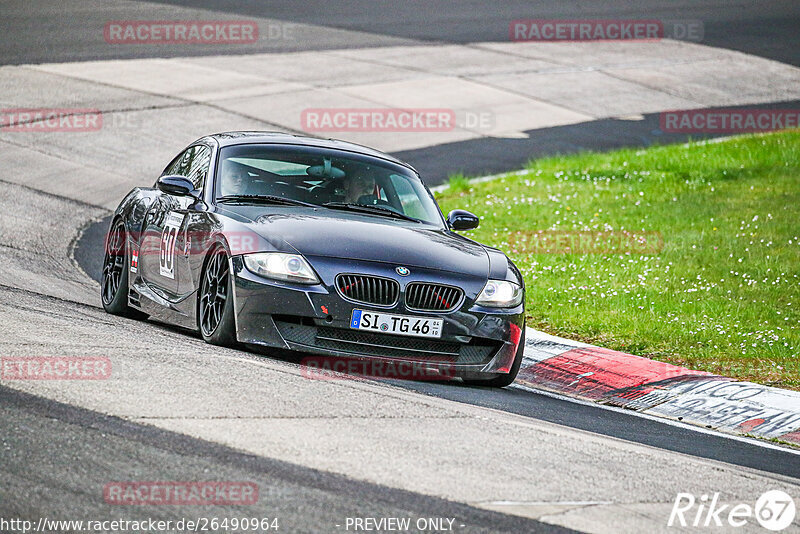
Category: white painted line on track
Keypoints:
(539, 503)
(481, 179)
(670, 422)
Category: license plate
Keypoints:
(396, 324)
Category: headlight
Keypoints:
(500, 294)
(280, 266)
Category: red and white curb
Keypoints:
(614, 378)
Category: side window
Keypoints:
(193, 164)
(198, 168)
(179, 163)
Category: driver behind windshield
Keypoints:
(234, 180)
(359, 189)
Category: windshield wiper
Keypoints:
(366, 208)
(270, 199)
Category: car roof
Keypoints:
(256, 137)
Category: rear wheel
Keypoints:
(215, 306)
(114, 282)
(502, 381)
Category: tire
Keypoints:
(215, 301)
(504, 380)
(114, 281)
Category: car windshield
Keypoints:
(323, 177)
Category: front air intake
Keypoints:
(432, 297)
(368, 289)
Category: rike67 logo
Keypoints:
(774, 510)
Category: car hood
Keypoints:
(371, 238)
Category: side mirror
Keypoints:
(178, 186)
(462, 220)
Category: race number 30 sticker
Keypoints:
(169, 235)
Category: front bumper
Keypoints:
(475, 342)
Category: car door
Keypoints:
(163, 257)
(181, 254)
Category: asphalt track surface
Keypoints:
(68, 30)
(47, 440)
(43, 440)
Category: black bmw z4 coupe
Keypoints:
(332, 249)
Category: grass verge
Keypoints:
(720, 293)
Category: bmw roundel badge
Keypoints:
(403, 271)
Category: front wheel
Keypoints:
(215, 301)
(506, 379)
